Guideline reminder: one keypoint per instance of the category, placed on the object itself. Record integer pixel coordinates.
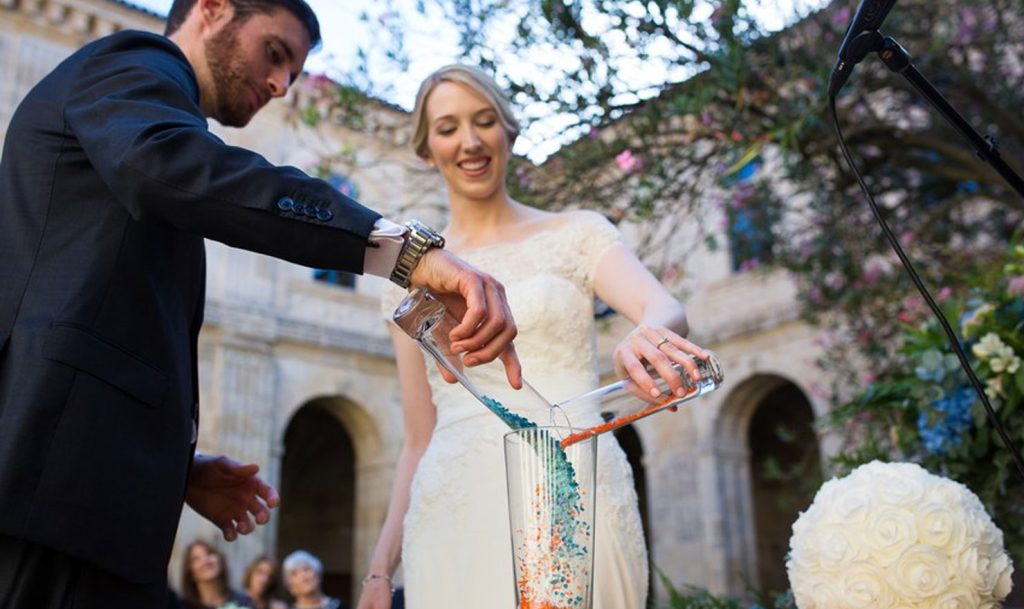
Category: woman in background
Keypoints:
(303, 574)
(204, 580)
(261, 584)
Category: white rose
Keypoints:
(971, 563)
(852, 506)
(939, 527)
(980, 528)
(999, 576)
(814, 593)
(901, 484)
(888, 532)
(835, 548)
(957, 596)
(802, 559)
(921, 572)
(864, 586)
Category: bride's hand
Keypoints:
(376, 595)
(657, 347)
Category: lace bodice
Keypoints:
(455, 542)
(549, 281)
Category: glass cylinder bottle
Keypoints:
(623, 402)
(427, 321)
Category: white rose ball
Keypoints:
(894, 535)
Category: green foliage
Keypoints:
(922, 407)
(694, 597)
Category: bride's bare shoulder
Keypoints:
(578, 217)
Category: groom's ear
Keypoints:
(214, 14)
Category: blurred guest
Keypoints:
(303, 573)
(204, 580)
(261, 584)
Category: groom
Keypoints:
(109, 181)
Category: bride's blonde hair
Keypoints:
(474, 78)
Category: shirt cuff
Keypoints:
(386, 241)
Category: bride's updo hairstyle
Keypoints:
(477, 80)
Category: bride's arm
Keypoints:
(419, 414)
(623, 282)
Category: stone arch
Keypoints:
(748, 530)
(326, 446)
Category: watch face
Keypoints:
(426, 232)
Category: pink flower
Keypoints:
(1016, 286)
(872, 272)
(749, 264)
(318, 83)
(944, 294)
(627, 162)
(842, 18)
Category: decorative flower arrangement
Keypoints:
(923, 408)
(894, 535)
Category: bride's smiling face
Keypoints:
(466, 141)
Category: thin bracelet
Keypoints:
(372, 576)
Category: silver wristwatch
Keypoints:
(418, 240)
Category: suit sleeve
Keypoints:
(136, 118)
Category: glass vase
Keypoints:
(551, 494)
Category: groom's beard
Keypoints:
(227, 69)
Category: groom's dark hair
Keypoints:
(247, 8)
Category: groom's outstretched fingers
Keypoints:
(494, 333)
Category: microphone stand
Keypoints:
(897, 60)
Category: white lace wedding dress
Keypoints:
(456, 551)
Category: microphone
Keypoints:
(861, 38)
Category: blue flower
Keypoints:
(944, 422)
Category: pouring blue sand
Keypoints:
(565, 503)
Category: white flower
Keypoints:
(1005, 361)
(864, 586)
(957, 596)
(938, 526)
(921, 572)
(989, 345)
(994, 387)
(892, 535)
(891, 531)
(973, 320)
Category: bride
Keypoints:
(448, 518)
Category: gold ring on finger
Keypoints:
(664, 339)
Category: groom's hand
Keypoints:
(486, 327)
(229, 494)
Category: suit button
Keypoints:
(311, 212)
(324, 215)
(285, 204)
(298, 208)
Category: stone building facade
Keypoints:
(297, 373)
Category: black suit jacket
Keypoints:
(109, 181)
